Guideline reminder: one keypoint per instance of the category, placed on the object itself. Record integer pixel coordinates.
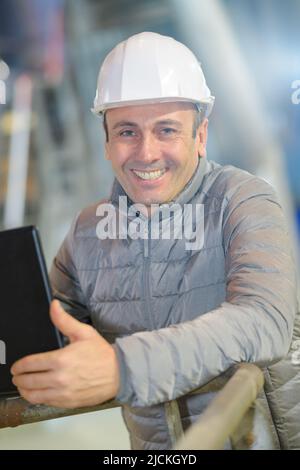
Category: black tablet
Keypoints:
(25, 296)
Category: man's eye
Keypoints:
(168, 130)
(127, 133)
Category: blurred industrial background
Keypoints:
(51, 146)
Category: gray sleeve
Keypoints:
(254, 323)
(64, 280)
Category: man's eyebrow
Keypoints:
(124, 124)
(169, 122)
(163, 122)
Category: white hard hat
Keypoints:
(151, 68)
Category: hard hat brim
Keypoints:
(205, 105)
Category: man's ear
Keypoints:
(201, 137)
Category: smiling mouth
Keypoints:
(149, 175)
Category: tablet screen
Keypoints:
(25, 295)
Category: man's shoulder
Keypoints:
(85, 222)
(226, 181)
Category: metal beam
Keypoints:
(226, 412)
(16, 411)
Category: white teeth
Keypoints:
(149, 175)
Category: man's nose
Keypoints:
(149, 148)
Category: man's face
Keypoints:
(152, 149)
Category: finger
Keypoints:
(66, 324)
(36, 381)
(36, 397)
(36, 363)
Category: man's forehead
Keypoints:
(154, 111)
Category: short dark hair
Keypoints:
(198, 118)
(104, 122)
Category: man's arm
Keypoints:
(254, 324)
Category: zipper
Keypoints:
(146, 274)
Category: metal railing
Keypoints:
(230, 414)
(224, 418)
(16, 411)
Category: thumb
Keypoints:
(66, 324)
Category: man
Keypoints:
(168, 314)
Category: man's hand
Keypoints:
(84, 373)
